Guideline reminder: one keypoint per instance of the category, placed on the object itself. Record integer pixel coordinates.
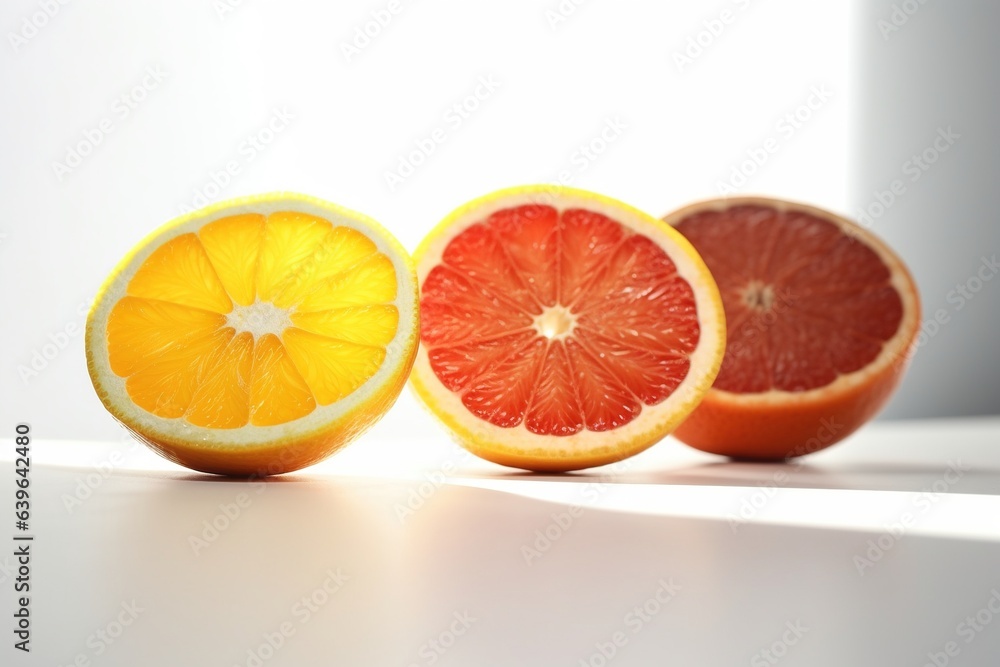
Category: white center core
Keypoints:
(259, 318)
(555, 322)
(758, 295)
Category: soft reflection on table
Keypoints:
(488, 566)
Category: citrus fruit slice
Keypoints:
(562, 329)
(822, 317)
(256, 336)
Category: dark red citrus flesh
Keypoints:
(804, 301)
(620, 322)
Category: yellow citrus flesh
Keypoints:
(264, 332)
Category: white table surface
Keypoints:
(653, 553)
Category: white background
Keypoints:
(560, 82)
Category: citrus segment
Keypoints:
(607, 402)
(339, 252)
(331, 368)
(559, 326)
(222, 399)
(478, 256)
(166, 385)
(639, 300)
(370, 281)
(240, 331)
(365, 325)
(458, 366)
(278, 392)
(588, 242)
(233, 246)
(289, 242)
(455, 310)
(651, 375)
(140, 329)
(500, 395)
(822, 315)
(180, 272)
(533, 258)
(555, 407)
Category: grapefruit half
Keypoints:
(562, 329)
(822, 319)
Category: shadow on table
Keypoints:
(493, 576)
(864, 476)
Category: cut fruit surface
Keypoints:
(562, 329)
(822, 319)
(255, 336)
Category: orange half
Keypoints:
(257, 335)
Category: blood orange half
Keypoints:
(562, 329)
(822, 319)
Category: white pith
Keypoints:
(259, 319)
(555, 322)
